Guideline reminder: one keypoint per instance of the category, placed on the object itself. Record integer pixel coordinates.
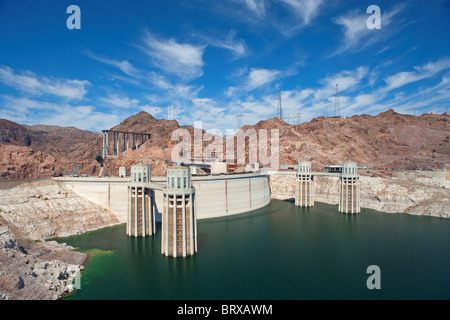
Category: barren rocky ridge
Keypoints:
(388, 140)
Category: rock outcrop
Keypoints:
(31, 274)
(37, 211)
(24, 163)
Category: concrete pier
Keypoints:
(125, 140)
(349, 189)
(141, 203)
(304, 186)
(179, 219)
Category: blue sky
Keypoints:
(213, 60)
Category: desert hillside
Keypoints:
(388, 140)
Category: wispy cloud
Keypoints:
(256, 79)
(356, 34)
(346, 80)
(421, 72)
(181, 59)
(32, 84)
(83, 117)
(124, 65)
(174, 91)
(237, 47)
(286, 17)
(305, 9)
(259, 77)
(256, 6)
(114, 100)
(33, 111)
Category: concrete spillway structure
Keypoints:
(179, 220)
(304, 185)
(141, 203)
(349, 189)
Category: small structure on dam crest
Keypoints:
(349, 189)
(141, 203)
(179, 220)
(304, 185)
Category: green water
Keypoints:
(278, 252)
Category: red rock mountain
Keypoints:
(388, 140)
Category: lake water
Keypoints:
(278, 252)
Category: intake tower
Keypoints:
(349, 189)
(304, 185)
(179, 220)
(141, 203)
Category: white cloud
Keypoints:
(256, 6)
(182, 59)
(237, 46)
(120, 102)
(82, 117)
(346, 80)
(30, 83)
(421, 72)
(305, 9)
(259, 77)
(32, 111)
(177, 91)
(125, 66)
(402, 78)
(356, 34)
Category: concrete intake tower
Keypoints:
(141, 203)
(179, 220)
(304, 185)
(349, 189)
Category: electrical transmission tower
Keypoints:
(279, 111)
(298, 118)
(288, 118)
(337, 104)
(238, 121)
(170, 112)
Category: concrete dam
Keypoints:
(180, 199)
(216, 196)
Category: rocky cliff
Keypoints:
(24, 163)
(30, 266)
(44, 271)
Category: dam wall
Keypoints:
(216, 196)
